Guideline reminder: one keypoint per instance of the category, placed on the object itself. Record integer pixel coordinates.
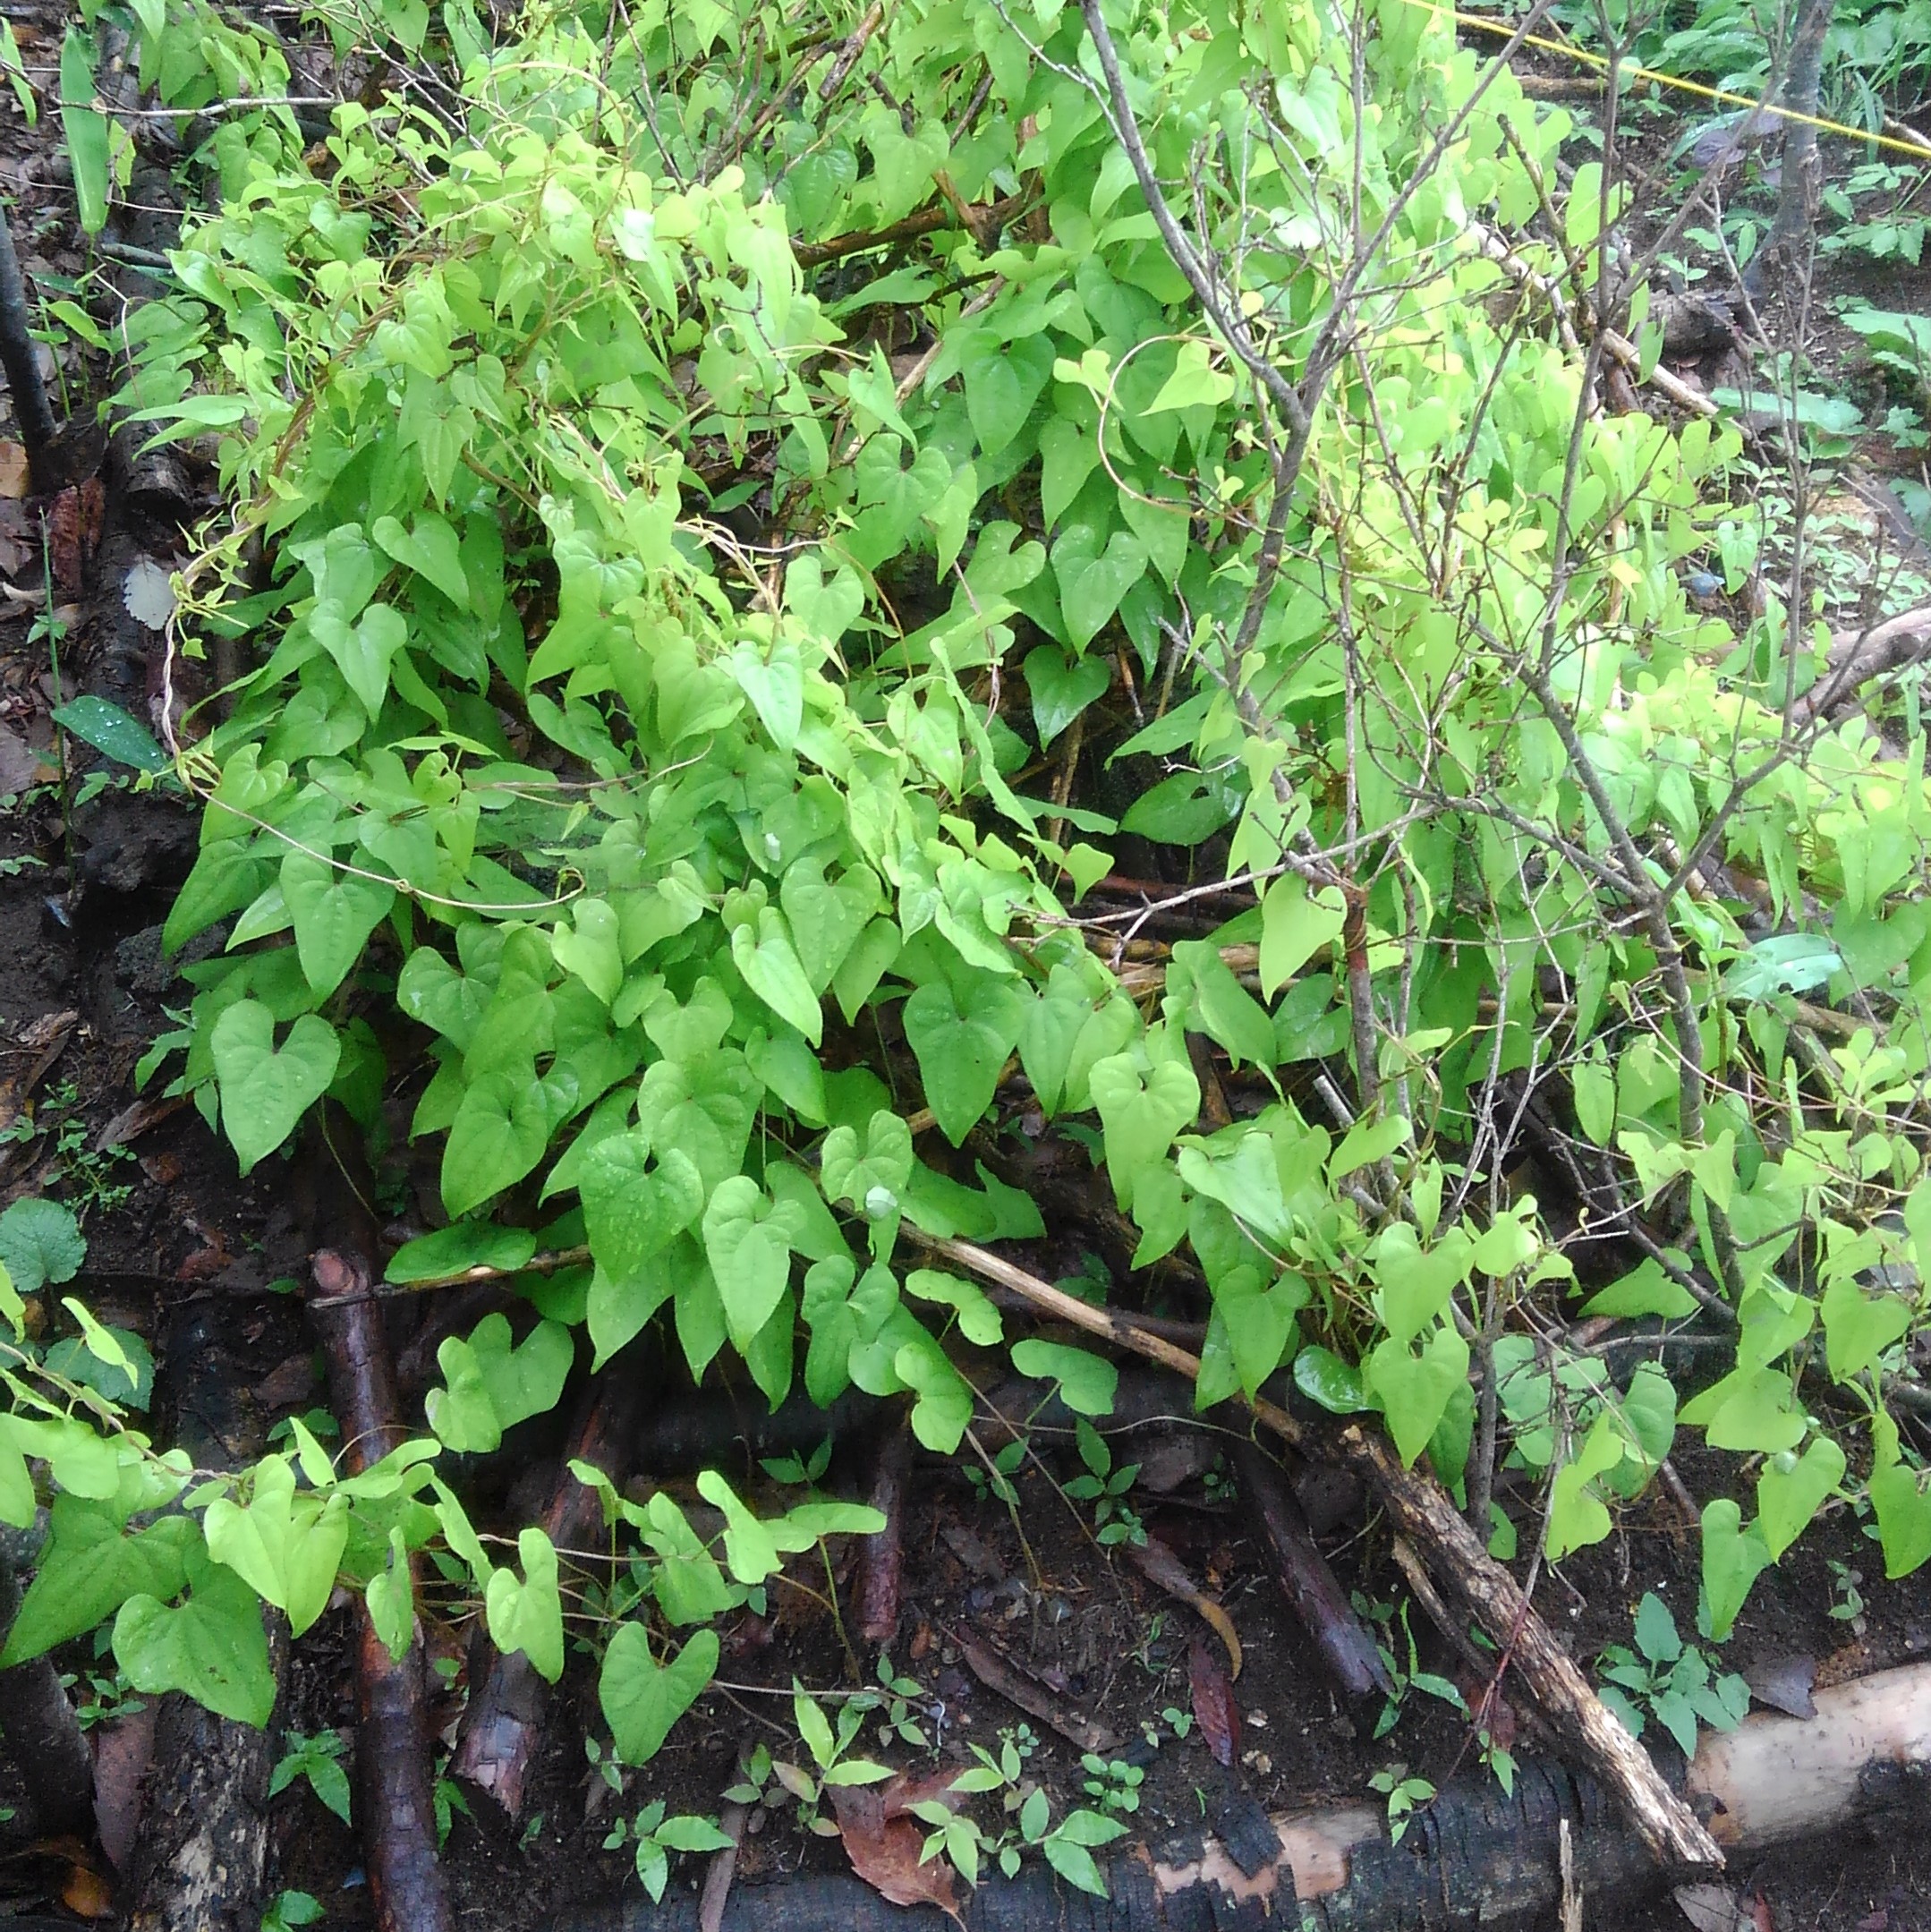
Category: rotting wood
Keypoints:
(1019, 1688)
(503, 1724)
(1311, 1587)
(394, 1801)
(1421, 1511)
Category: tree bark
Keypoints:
(42, 1734)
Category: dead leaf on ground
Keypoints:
(1216, 1710)
(88, 1894)
(18, 762)
(1715, 1908)
(147, 593)
(884, 1850)
(13, 470)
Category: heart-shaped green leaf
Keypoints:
(1413, 1390)
(1733, 1558)
(364, 650)
(1141, 1113)
(286, 1545)
(772, 970)
(499, 1133)
(1062, 691)
(641, 1699)
(264, 1091)
(212, 1647)
(960, 1049)
(429, 548)
(526, 1613)
(1792, 1489)
(1859, 1327)
(747, 1240)
(873, 1180)
(631, 1211)
(334, 912)
(1092, 581)
(589, 948)
(491, 1386)
(1087, 1382)
(825, 920)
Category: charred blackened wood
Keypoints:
(200, 1860)
(42, 1735)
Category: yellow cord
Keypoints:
(1919, 150)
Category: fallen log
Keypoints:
(1474, 1856)
(393, 1792)
(504, 1723)
(1313, 1591)
(1422, 1512)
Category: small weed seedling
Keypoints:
(1404, 1795)
(831, 1766)
(318, 1760)
(1412, 1677)
(1066, 1847)
(1112, 1783)
(1847, 1600)
(1178, 1721)
(1105, 1487)
(893, 1699)
(654, 1837)
(1670, 1681)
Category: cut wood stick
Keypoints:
(1313, 1591)
(504, 1724)
(882, 1558)
(1421, 1511)
(393, 1802)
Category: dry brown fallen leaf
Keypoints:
(1216, 1710)
(13, 470)
(883, 1844)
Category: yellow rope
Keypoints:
(1918, 149)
